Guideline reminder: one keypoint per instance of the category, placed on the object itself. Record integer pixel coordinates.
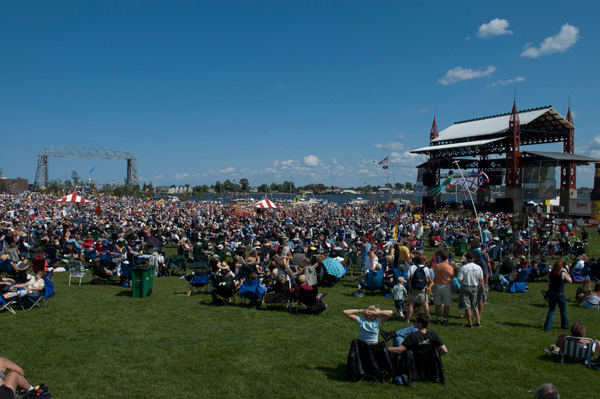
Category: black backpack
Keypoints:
(418, 280)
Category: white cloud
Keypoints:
(390, 146)
(459, 74)
(423, 111)
(159, 177)
(181, 176)
(334, 161)
(559, 43)
(496, 27)
(592, 149)
(312, 160)
(227, 170)
(508, 81)
(401, 136)
(406, 159)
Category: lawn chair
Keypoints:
(374, 281)
(198, 254)
(126, 270)
(368, 360)
(198, 281)
(40, 299)
(520, 282)
(224, 289)
(99, 273)
(76, 270)
(199, 265)
(6, 267)
(580, 350)
(7, 305)
(251, 290)
(178, 262)
(90, 255)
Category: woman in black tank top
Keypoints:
(556, 295)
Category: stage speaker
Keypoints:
(429, 179)
(495, 177)
(504, 205)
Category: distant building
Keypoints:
(13, 186)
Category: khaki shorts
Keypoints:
(442, 294)
(417, 296)
(467, 298)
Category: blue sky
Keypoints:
(308, 91)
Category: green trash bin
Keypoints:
(142, 278)
(460, 248)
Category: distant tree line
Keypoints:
(59, 187)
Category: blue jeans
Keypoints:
(403, 333)
(555, 298)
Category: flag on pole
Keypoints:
(384, 161)
(93, 169)
(31, 213)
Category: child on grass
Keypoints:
(398, 293)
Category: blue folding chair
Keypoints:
(39, 300)
(520, 282)
(251, 290)
(373, 282)
(199, 281)
(7, 305)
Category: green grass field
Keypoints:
(99, 342)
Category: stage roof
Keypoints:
(463, 144)
(498, 124)
(560, 156)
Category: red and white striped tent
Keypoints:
(265, 203)
(74, 198)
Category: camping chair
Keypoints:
(198, 254)
(100, 274)
(520, 282)
(224, 289)
(75, 270)
(423, 363)
(580, 274)
(177, 262)
(495, 253)
(251, 290)
(198, 281)
(89, 255)
(580, 350)
(368, 360)
(40, 299)
(374, 281)
(7, 305)
(126, 270)
(198, 265)
(6, 267)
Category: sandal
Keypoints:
(468, 325)
(478, 324)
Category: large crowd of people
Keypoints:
(286, 249)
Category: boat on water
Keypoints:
(358, 201)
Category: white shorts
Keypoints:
(442, 294)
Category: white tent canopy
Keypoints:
(265, 203)
(74, 198)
